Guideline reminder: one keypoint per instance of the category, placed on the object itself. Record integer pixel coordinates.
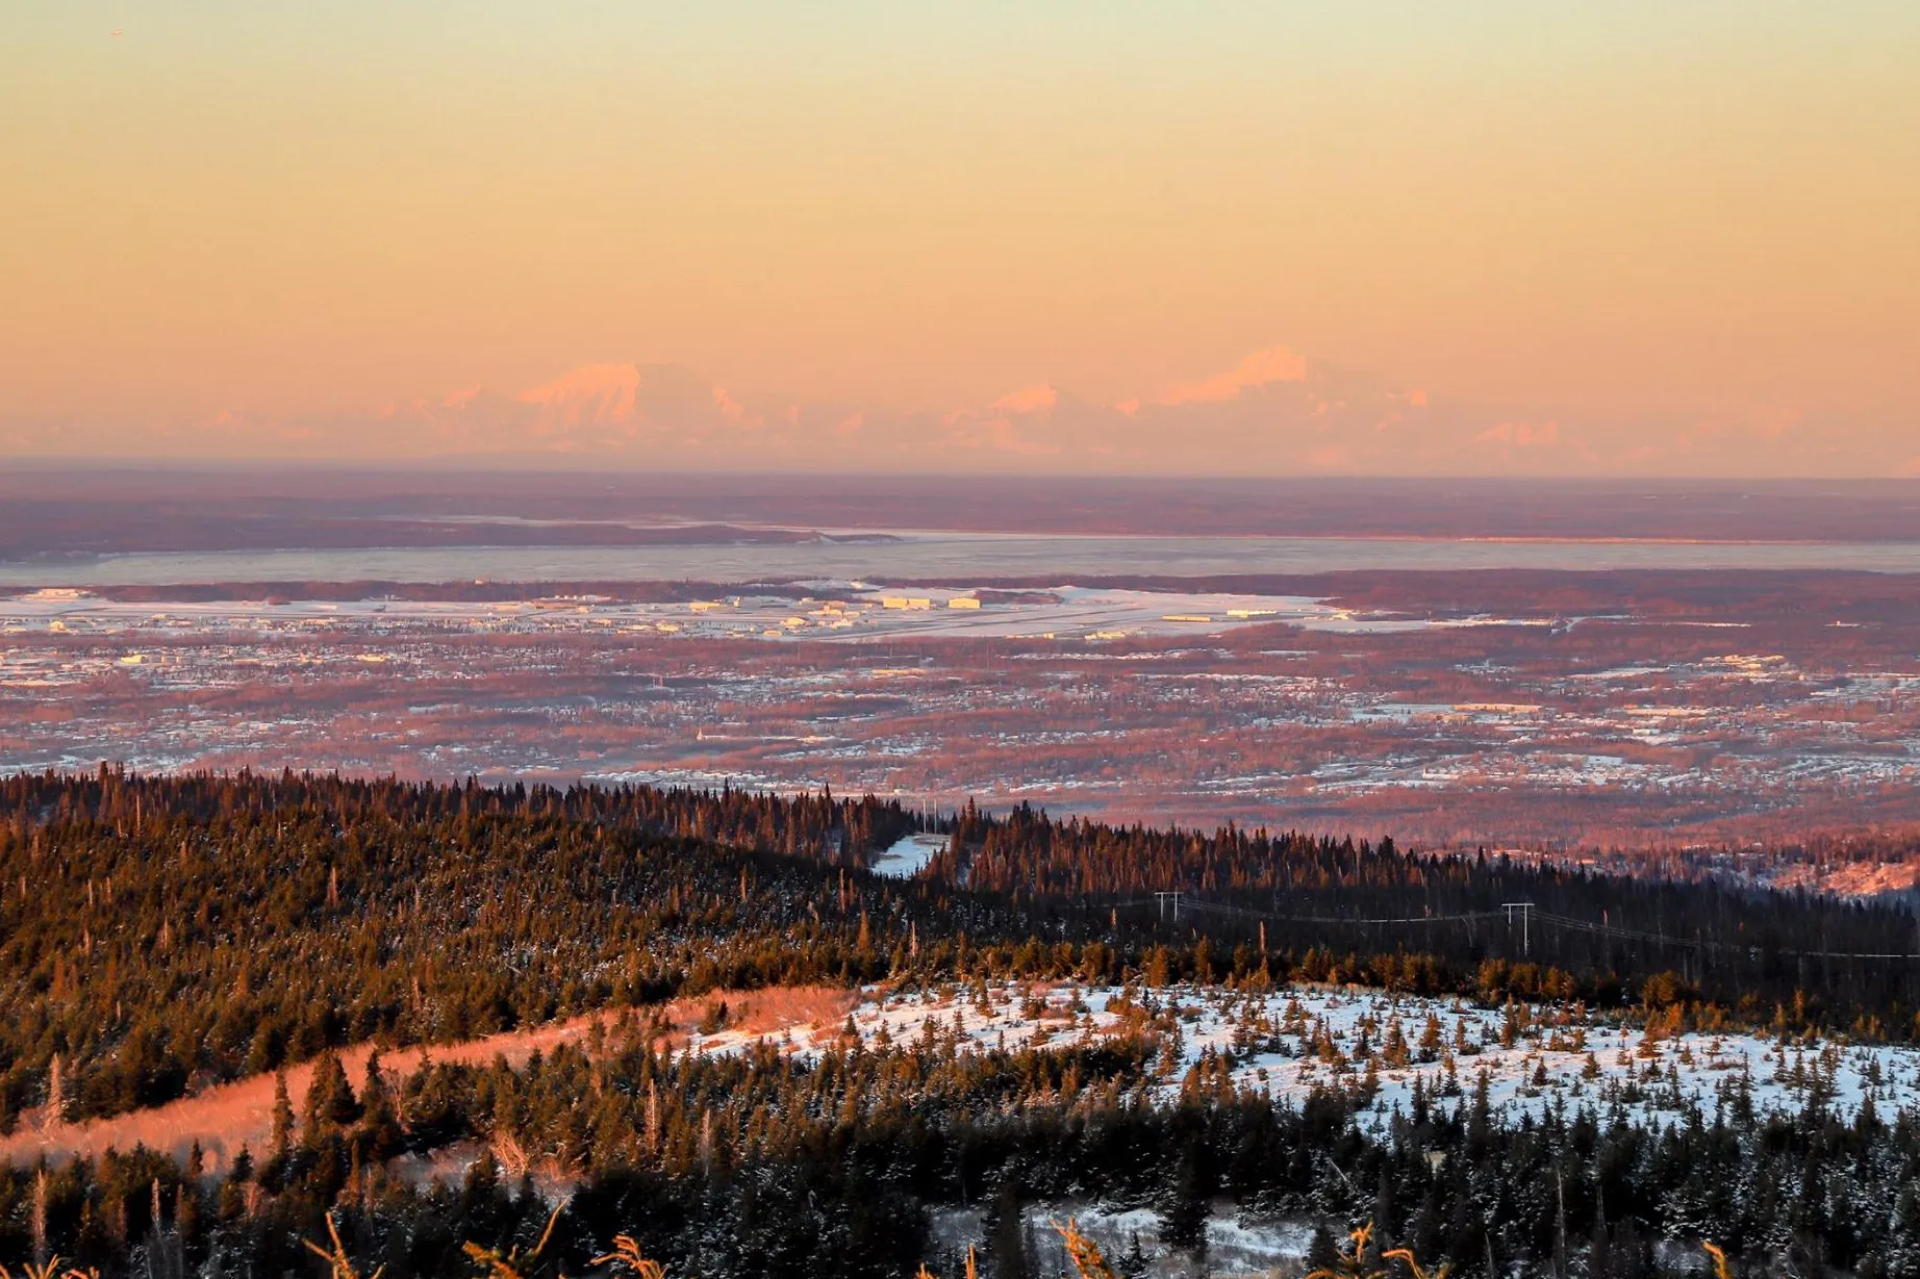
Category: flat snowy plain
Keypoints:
(852, 611)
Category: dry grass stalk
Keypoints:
(1352, 1262)
(1406, 1255)
(336, 1257)
(626, 1252)
(491, 1262)
(1084, 1252)
(973, 1265)
(50, 1270)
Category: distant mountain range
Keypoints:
(1274, 413)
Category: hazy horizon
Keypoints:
(1606, 240)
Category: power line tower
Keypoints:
(1169, 899)
(1526, 919)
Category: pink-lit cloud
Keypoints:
(1273, 412)
(1275, 364)
(1521, 435)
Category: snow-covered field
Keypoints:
(1532, 1059)
(1638, 728)
(848, 611)
(1289, 1042)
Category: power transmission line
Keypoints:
(1528, 916)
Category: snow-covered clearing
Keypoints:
(1286, 1043)
(907, 857)
(1289, 1042)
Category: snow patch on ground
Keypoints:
(1290, 1042)
(905, 858)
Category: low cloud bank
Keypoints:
(1274, 413)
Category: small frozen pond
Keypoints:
(906, 858)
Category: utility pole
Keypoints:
(1526, 918)
(1169, 898)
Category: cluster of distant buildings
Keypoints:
(922, 603)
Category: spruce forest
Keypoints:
(165, 939)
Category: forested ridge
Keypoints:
(155, 932)
(161, 934)
(1856, 962)
(761, 1165)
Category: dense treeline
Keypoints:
(1749, 949)
(1790, 856)
(762, 1165)
(158, 933)
(114, 798)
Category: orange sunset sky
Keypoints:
(1078, 235)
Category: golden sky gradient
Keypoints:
(1620, 223)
